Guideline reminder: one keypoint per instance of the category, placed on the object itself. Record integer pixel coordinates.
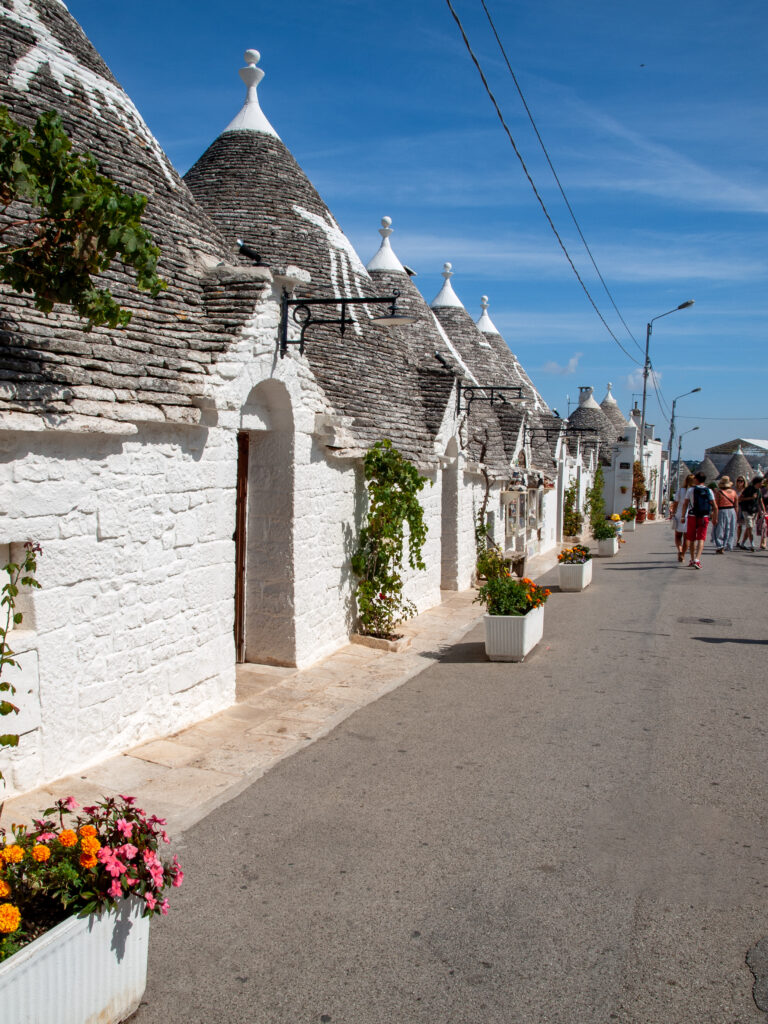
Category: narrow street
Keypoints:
(580, 838)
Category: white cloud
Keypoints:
(563, 371)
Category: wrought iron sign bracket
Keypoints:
(302, 315)
(484, 393)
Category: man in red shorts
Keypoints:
(700, 505)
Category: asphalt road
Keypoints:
(580, 838)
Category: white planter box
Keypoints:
(606, 548)
(573, 578)
(89, 970)
(511, 637)
(629, 526)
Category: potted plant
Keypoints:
(514, 619)
(575, 568)
(572, 518)
(652, 507)
(75, 901)
(607, 541)
(628, 516)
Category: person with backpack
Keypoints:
(699, 505)
(750, 506)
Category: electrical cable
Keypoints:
(531, 182)
(555, 174)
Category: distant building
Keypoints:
(754, 451)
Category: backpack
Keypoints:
(701, 502)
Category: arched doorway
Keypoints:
(265, 627)
(449, 520)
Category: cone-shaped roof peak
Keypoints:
(385, 258)
(447, 296)
(485, 324)
(251, 117)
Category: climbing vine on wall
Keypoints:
(572, 519)
(393, 485)
(19, 575)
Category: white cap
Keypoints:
(485, 324)
(251, 117)
(447, 296)
(385, 258)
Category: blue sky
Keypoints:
(654, 116)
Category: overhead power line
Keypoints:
(555, 174)
(504, 125)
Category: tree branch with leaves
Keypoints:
(63, 222)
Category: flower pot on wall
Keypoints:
(85, 969)
(511, 637)
(607, 548)
(573, 578)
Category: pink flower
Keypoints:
(109, 859)
(46, 837)
(124, 827)
(164, 907)
(91, 810)
(150, 900)
(116, 889)
(128, 799)
(178, 874)
(70, 803)
(128, 850)
(129, 880)
(155, 868)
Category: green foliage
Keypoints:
(393, 485)
(68, 223)
(19, 575)
(629, 514)
(603, 530)
(596, 502)
(505, 595)
(638, 483)
(572, 519)
(491, 562)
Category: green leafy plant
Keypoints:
(65, 222)
(638, 483)
(595, 499)
(505, 595)
(491, 562)
(19, 575)
(80, 866)
(572, 518)
(603, 530)
(393, 485)
(577, 555)
(629, 514)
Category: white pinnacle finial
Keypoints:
(385, 258)
(485, 324)
(251, 117)
(447, 296)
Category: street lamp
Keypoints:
(679, 449)
(647, 366)
(672, 432)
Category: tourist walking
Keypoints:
(762, 518)
(751, 506)
(699, 506)
(741, 483)
(727, 501)
(681, 541)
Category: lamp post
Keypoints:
(672, 433)
(679, 449)
(647, 366)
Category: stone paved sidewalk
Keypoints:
(183, 777)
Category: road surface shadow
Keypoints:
(728, 640)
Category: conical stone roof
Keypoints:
(737, 466)
(252, 186)
(157, 366)
(610, 407)
(590, 418)
(709, 469)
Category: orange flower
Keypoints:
(10, 918)
(88, 860)
(67, 837)
(87, 830)
(5, 889)
(12, 854)
(89, 845)
(40, 853)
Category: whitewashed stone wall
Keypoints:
(132, 629)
